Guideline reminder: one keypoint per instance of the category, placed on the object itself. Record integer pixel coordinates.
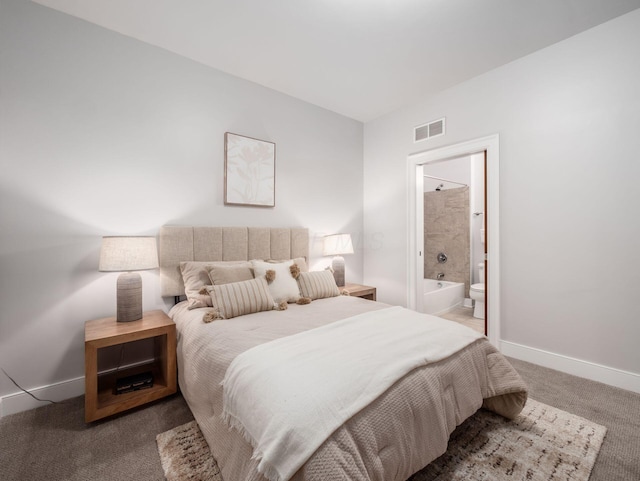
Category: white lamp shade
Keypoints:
(337, 245)
(128, 254)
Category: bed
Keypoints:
(393, 435)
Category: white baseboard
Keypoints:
(585, 369)
(21, 401)
(18, 402)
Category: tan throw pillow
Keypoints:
(195, 276)
(226, 274)
(318, 284)
(283, 287)
(240, 298)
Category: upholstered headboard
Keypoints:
(179, 243)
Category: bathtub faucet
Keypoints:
(440, 275)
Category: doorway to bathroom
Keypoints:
(437, 175)
(454, 244)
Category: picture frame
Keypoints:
(249, 171)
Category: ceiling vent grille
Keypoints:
(427, 131)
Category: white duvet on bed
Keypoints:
(285, 398)
(390, 439)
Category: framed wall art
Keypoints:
(249, 171)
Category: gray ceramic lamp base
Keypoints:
(337, 266)
(129, 297)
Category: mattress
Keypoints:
(396, 435)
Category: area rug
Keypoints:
(543, 443)
(185, 455)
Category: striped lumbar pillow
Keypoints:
(239, 298)
(317, 284)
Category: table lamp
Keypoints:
(122, 253)
(336, 245)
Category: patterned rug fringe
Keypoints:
(185, 455)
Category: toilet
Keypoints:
(476, 292)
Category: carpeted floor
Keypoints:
(55, 444)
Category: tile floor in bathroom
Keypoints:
(464, 315)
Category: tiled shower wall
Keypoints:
(446, 229)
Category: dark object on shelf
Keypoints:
(134, 383)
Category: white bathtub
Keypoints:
(441, 296)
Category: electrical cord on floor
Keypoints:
(25, 391)
(120, 360)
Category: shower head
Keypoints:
(439, 188)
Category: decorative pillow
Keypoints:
(283, 286)
(240, 298)
(226, 274)
(300, 261)
(196, 276)
(201, 299)
(318, 284)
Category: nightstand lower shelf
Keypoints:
(111, 403)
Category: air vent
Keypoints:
(427, 131)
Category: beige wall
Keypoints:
(567, 117)
(105, 135)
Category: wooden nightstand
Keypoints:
(358, 290)
(100, 397)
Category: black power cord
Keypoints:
(120, 360)
(25, 391)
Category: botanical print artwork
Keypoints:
(249, 171)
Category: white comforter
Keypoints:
(285, 398)
(390, 439)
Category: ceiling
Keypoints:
(359, 58)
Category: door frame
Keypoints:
(415, 261)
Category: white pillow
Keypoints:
(301, 262)
(284, 287)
